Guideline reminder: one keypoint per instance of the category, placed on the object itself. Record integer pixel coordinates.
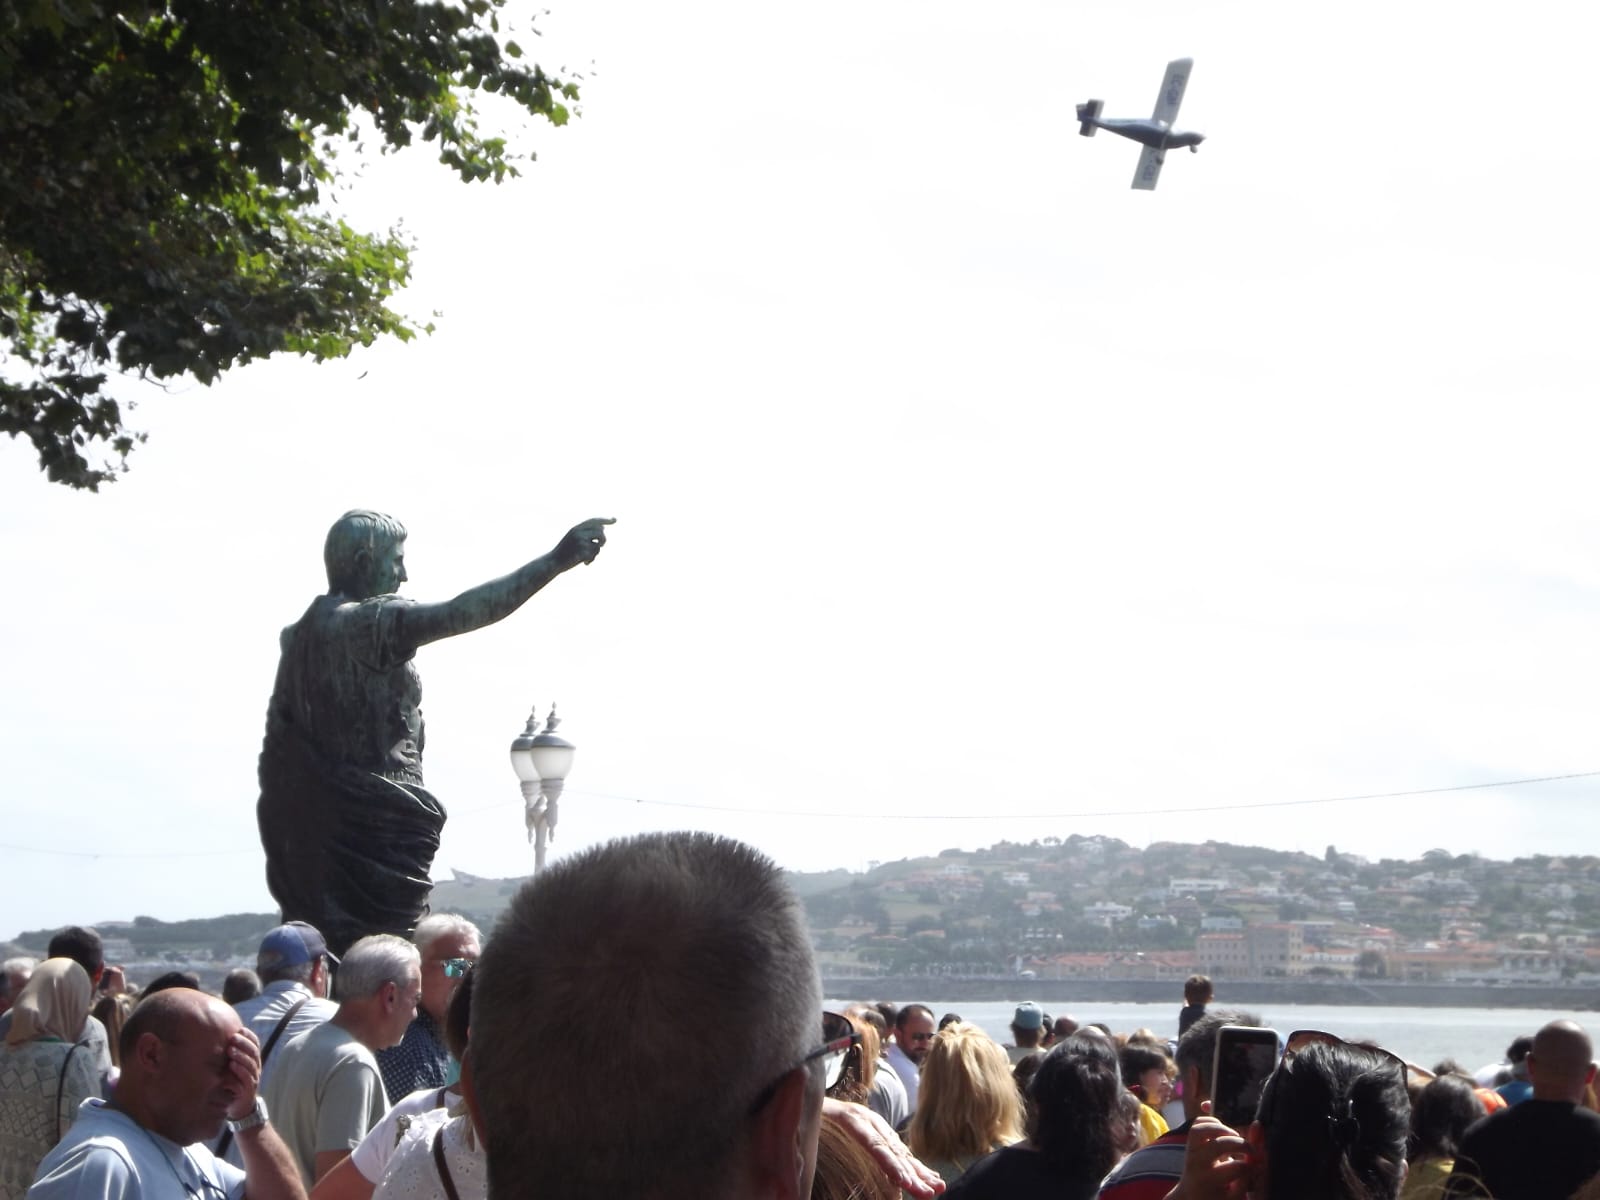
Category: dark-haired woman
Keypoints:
(1332, 1125)
(1074, 1099)
(1444, 1109)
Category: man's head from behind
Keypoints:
(1027, 1024)
(83, 947)
(297, 952)
(1561, 1062)
(1197, 1051)
(699, 953)
(365, 555)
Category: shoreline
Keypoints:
(1363, 993)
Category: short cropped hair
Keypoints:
(240, 985)
(437, 925)
(359, 531)
(698, 953)
(906, 1012)
(373, 962)
(296, 973)
(1197, 1047)
(1197, 990)
(82, 946)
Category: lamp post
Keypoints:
(541, 761)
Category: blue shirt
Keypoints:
(107, 1155)
(421, 1060)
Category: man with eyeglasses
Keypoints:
(705, 1079)
(447, 943)
(188, 1067)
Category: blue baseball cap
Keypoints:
(289, 945)
(1029, 1016)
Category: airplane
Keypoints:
(1156, 133)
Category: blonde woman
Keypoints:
(968, 1106)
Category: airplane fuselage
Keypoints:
(1158, 135)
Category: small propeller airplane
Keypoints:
(1154, 133)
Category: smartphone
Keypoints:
(1244, 1058)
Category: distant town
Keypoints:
(1095, 908)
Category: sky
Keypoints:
(962, 493)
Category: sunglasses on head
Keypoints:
(1301, 1038)
(838, 1035)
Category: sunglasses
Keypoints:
(838, 1035)
(457, 968)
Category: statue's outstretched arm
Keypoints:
(499, 598)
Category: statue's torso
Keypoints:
(347, 682)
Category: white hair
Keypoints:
(20, 969)
(636, 1000)
(374, 961)
(437, 925)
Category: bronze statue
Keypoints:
(349, 830)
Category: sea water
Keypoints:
(1473, 1037)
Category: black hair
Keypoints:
(1197, 1047)
(1444, 1109)
(82, 946)
(1136, 1060)
(908, 1011)
(1075, 1094)
(171, 979)
(1336, 1118)
(241, 984)
(1519, 1049)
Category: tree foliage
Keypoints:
(164, 171)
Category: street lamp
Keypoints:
(541, 761)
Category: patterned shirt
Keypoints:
(421, 1060)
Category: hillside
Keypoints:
(1099, 908)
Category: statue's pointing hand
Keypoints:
(583, 541)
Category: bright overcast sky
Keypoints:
(953, 478)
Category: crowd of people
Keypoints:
(646, 1021)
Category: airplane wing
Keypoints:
(1148, 171)
(1172, 88)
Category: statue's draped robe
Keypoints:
(349, 830)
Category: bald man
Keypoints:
(1546, 1146)
(188, 1068)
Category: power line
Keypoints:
(793, 812)
(1110, 812)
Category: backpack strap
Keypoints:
(277, 1032)
(61, 1084)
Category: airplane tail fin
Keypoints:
(1088, 114)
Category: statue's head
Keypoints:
(365, 554)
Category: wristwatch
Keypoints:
(257, 1116)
